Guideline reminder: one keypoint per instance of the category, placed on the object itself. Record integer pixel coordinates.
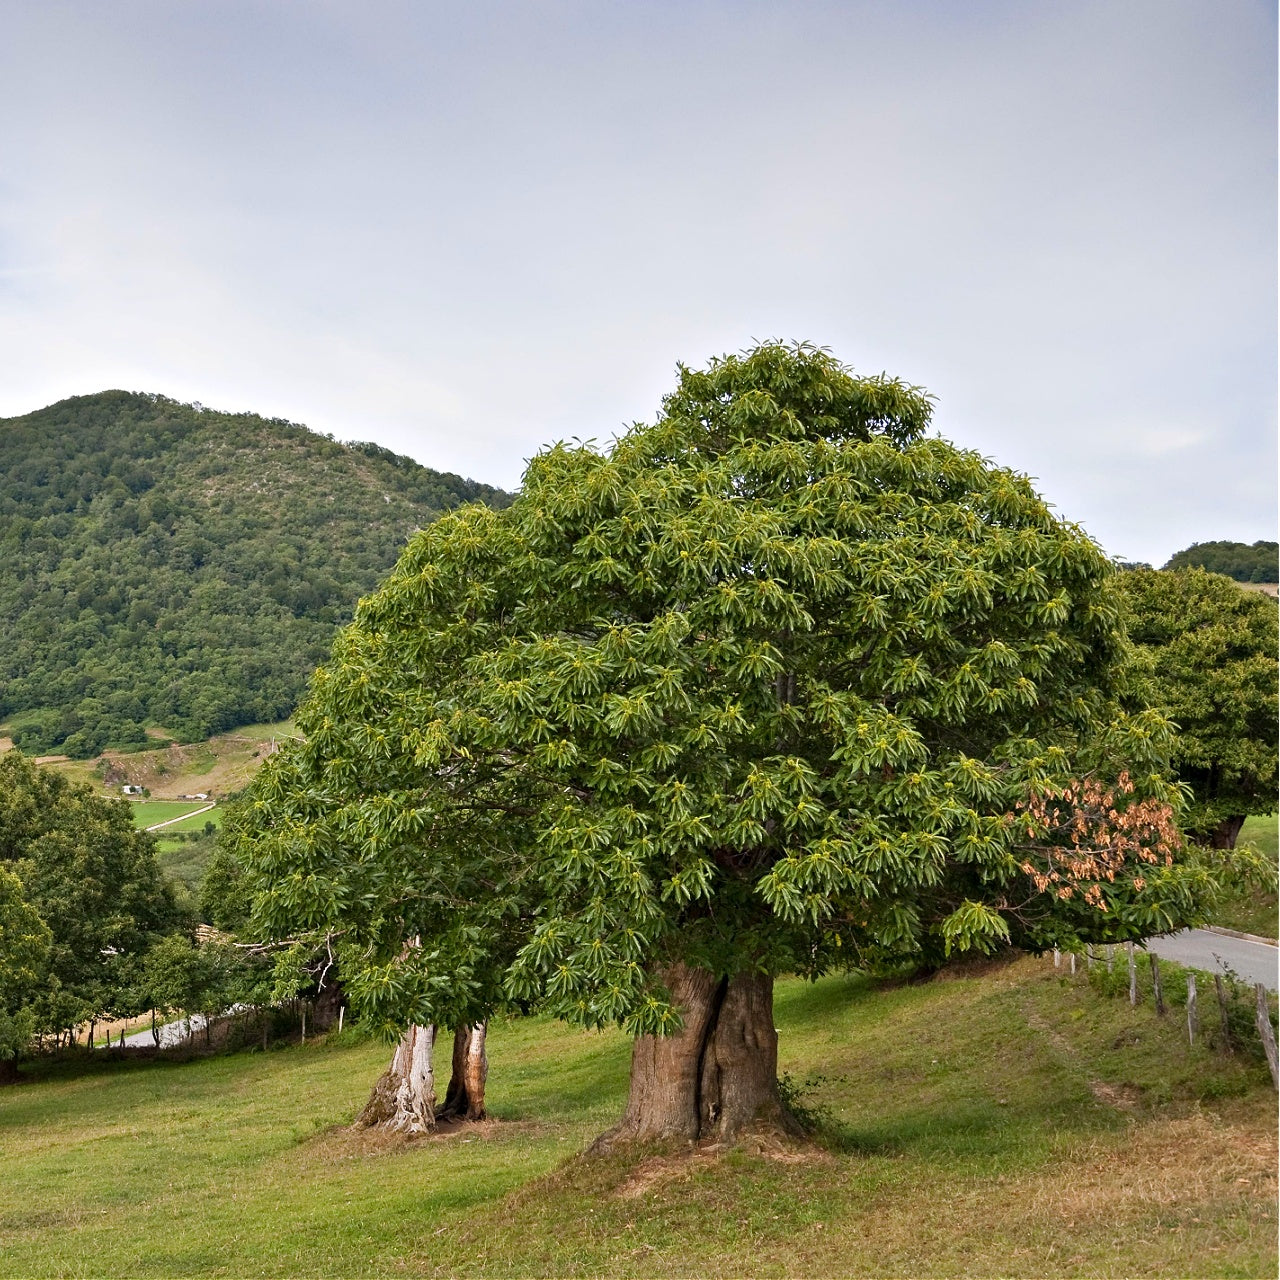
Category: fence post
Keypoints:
(1073, 964)
(1057, 958)
(1265, 1031)
(1155, 984)
(1088, 955)
(1111, 956)
(1193, 1020)
(1133, 975)
(1223, 1012)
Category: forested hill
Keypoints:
(1245, 562)
(164, 564)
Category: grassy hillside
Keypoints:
(163, 564)
(1254, 910)
(1007, 1123)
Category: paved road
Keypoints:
(1200, 949)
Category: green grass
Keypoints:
(1254, 910)
(146, 813)
(185, 861)
(196, 822)
(1008, 1123)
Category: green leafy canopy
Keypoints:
(78, 877)
(761, 687)
(1206, 657)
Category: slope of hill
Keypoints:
(164, 564)
(1006, 1121)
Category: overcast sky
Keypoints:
(465, 230)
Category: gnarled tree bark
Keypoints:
(404, 1099)
(464, 1098)
(717, 1077)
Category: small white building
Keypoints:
(130, 790)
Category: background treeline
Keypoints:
(163, 564)
(1243, 561)
(92, 932)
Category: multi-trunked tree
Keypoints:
(780, 683)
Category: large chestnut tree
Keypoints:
(779, 683)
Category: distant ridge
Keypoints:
(167, 564)
(1243, 561)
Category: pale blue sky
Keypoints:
(465, 230)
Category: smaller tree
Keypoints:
(93, 880)
(177, 977)
(1206, 657)
(24, 952)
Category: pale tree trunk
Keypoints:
(717, 1077)
(404, 1099)
(464, 1098)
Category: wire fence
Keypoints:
(1219, 1010)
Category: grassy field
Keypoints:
(146, 813)
(220, 766)
(1254, 911)
(1007, 1123)
(185, 861)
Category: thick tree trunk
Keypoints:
(1225, 834)
(404, 1099)
(464, 1097)
(718, 1076)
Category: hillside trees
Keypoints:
(92, 881)
(166, 565)
(1207, 659)
(24, 949)
(779, 683)
(1245, 562)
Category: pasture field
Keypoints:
(185, 861)
(146, 813)
(1252, 910)
(196, 822)
(997, 1121)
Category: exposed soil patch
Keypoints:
(678, 1166)
(351, 1142)
(1124, 1097)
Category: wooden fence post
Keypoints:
(1193, 1020)
(1088, 955)
(1155, 984)
(1223, 1012)
(1057, 958)
(1111, 956)
(1133, 975)
(1267, 1034)
(1073, 964)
